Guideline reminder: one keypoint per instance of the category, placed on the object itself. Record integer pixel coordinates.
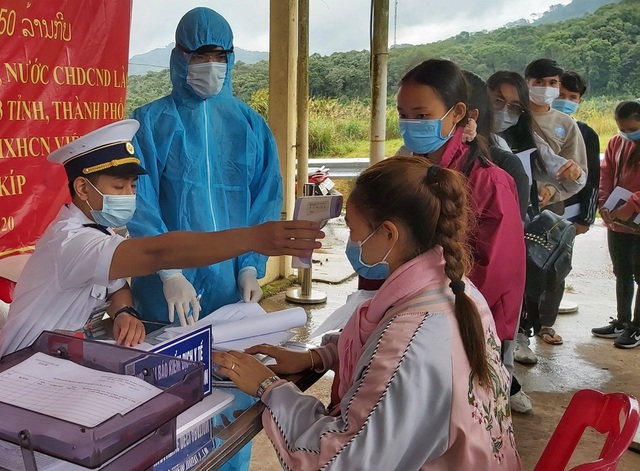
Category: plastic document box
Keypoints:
(181, 382)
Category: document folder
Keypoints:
(181, 383)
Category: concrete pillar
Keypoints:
(379, 57)
(283, 51)
(302, 148)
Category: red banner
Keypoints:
(63, 73)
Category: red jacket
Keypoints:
(614, 172)
(498, 247)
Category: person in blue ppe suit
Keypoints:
(212, 164)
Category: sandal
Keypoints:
(549, 335)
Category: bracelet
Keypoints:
(128, 310)
(265, 384)
(313, 366)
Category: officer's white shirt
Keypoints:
(65, 279)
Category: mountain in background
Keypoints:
(158, 59)
(557, 13)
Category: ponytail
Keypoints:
(450, 231)
(431, 202)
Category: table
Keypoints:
(247, 425)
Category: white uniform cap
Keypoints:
(106, 150)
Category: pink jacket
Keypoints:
(614, 172)
(498, 246)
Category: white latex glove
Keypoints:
(181, 298)
(248, 284)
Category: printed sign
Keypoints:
(63, 73)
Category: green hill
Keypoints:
(603, 46)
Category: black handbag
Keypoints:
(549, 240)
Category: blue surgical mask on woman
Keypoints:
(630, 136)
(565, 106)
(117, 210)
(374, 271)
(424, 136)
(207, 78)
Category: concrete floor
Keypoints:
(583, 361)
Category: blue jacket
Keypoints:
(212, 164)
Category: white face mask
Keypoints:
(207, 78)
(543, 95)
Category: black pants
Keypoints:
(624, 250)
(543, 310)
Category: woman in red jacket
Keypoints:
(621, 168)
(432, 104)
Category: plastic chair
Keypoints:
(614, 414)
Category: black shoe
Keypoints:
(629, 338)
(611, 331)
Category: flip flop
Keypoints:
(549, 335)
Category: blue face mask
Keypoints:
(117, 210)
(375, 271)
(424, 136)
(630, 136)
(565, 106)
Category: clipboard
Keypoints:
(181, 387)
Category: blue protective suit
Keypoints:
(212, 166)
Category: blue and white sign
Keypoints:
(194, 346)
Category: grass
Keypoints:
(339, 129)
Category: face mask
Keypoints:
(424, 136)
(207, 78)
(117, 210)
(565, 106)
(543, 95)
(376, 271)
(630, 136)
(503, 119)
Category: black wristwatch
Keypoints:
(128, 310)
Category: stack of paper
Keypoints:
(242, 325)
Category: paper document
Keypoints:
(340, 316)
(245, 325)
(571, 211)
(11, 458)
(617, 198)
(60, 388)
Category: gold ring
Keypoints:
(233, 365)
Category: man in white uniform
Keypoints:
(81, 263)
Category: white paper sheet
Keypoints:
(245, 324)
(65, 390)
(617, 198)
(340, 316)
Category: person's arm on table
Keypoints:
(127, 328)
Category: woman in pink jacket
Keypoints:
(432, 104)
(419, 381)
(621, 168)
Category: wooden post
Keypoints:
(283, 50)
(379, 57)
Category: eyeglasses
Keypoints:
(499, 103)
(213, 56)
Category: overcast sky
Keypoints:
(336, 25)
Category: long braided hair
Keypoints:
(431, 203)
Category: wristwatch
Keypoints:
(265, 384)
(129, 310)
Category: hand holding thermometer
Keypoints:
(318, 209)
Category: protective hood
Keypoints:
(200, 27)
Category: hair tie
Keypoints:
(432, 174)
(457, 287)
(470, 130)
